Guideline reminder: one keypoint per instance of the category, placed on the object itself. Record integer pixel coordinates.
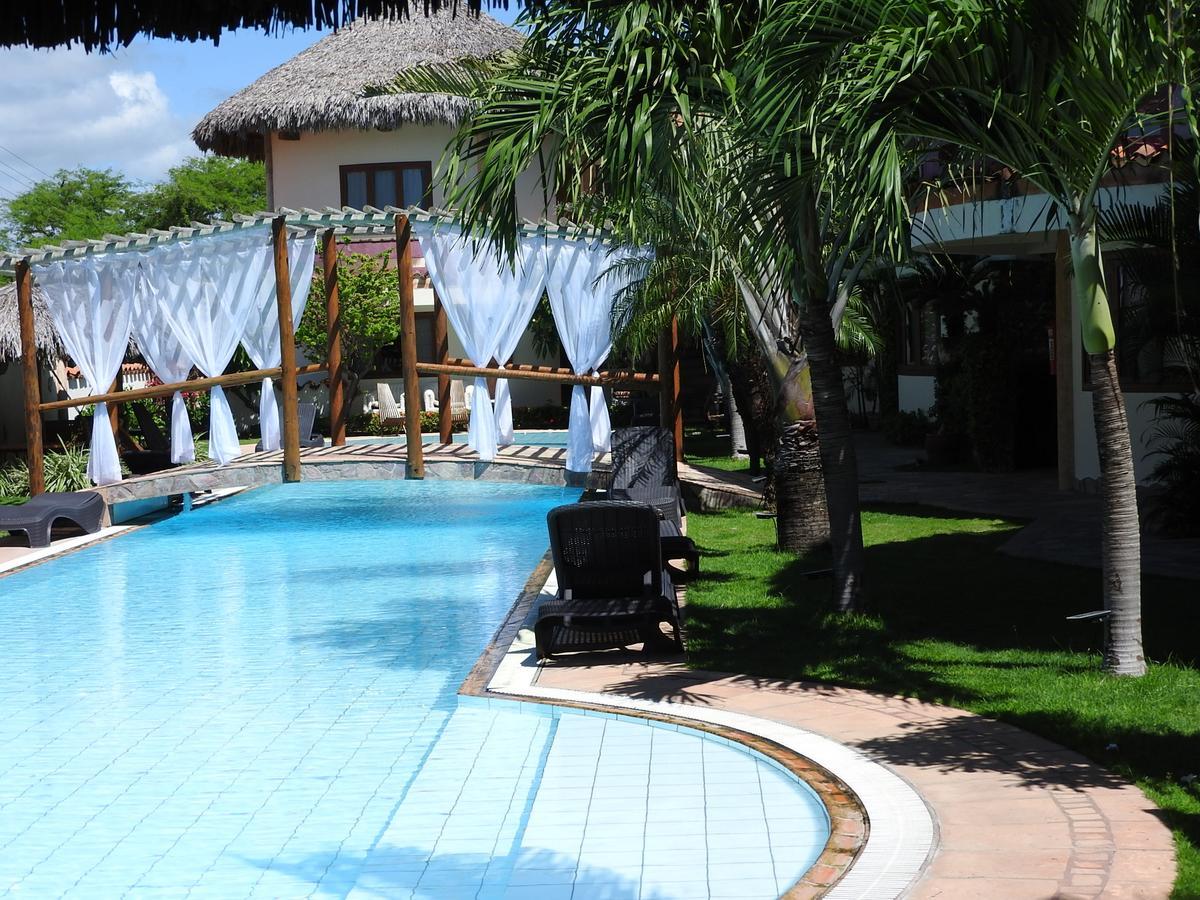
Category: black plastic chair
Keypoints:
(644, 470)
(36, 516)
(613, 589)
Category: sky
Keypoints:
(132, 110)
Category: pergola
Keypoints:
(328, 225)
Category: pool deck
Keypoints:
(518, 463)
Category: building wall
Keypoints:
(1017, 226)
(305, 173)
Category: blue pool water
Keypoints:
(258, 698)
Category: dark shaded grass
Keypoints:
(954, 621)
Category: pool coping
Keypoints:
(883, 834)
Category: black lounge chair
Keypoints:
(613, 589)
(156, 455)
(36, 516)
(644, 470)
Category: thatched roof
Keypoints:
(10, 325)
(104, 24)
(321, 89)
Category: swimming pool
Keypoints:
(526, 438)
(257, 698)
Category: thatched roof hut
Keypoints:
(321, 89)
(10, 325)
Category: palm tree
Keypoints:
(1048, 90)
(643, 95)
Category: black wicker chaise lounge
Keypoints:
(644, 470)
(156, 455)
(613, 589)
(36, 517)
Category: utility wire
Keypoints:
(17, 173)
(27, 162)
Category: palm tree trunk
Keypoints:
(1121, 543)
(838, 460)
(737, 428)
(801, 514)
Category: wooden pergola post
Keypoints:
(669, 407)
(441, 339)
(114, 409)
(287, 352)
(408, 349)
(333, 323)
(31, 381)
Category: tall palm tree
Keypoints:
(1049, 90)
(644, 95)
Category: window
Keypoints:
(920, 328)
(388, 362)
(1155, 335)
(387, 184)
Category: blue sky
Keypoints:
(132, 110)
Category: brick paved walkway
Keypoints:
(1018, 816)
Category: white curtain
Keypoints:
(526, 289)
(582, 281)
(207, 289)
(486, 302)
(91, 304)
(261, 339)
(166, 358)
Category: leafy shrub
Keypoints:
(1174, 439)
(66, 470)
(907, 428)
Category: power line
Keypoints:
(17, 173)
(24, 160)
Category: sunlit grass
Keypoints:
(954, 621)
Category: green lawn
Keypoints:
(953, 621)
(704, 447)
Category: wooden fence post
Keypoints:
(408, 349)
(31, 381)
(287, 352)
(333, 358)
(441, 340)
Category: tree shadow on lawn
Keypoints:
(953, 621)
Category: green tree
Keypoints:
(370, 315)
(203, 188)
(73, 205)
(648, 97)
(1053, 91)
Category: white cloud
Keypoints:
(65, 108)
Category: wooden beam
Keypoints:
(333, 358)
(670, 409)
(31, 381)
(524, 371)
(166, 390)
(1064, 364)
(114, 408)
(441, 340)
(415, 452)
(287, 352)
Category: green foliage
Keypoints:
(1174, 442)
(203, 188)
(907, 428)
(370, 314)
(66, 470)
(78, 204)
(73, 205)
(1011, 656)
